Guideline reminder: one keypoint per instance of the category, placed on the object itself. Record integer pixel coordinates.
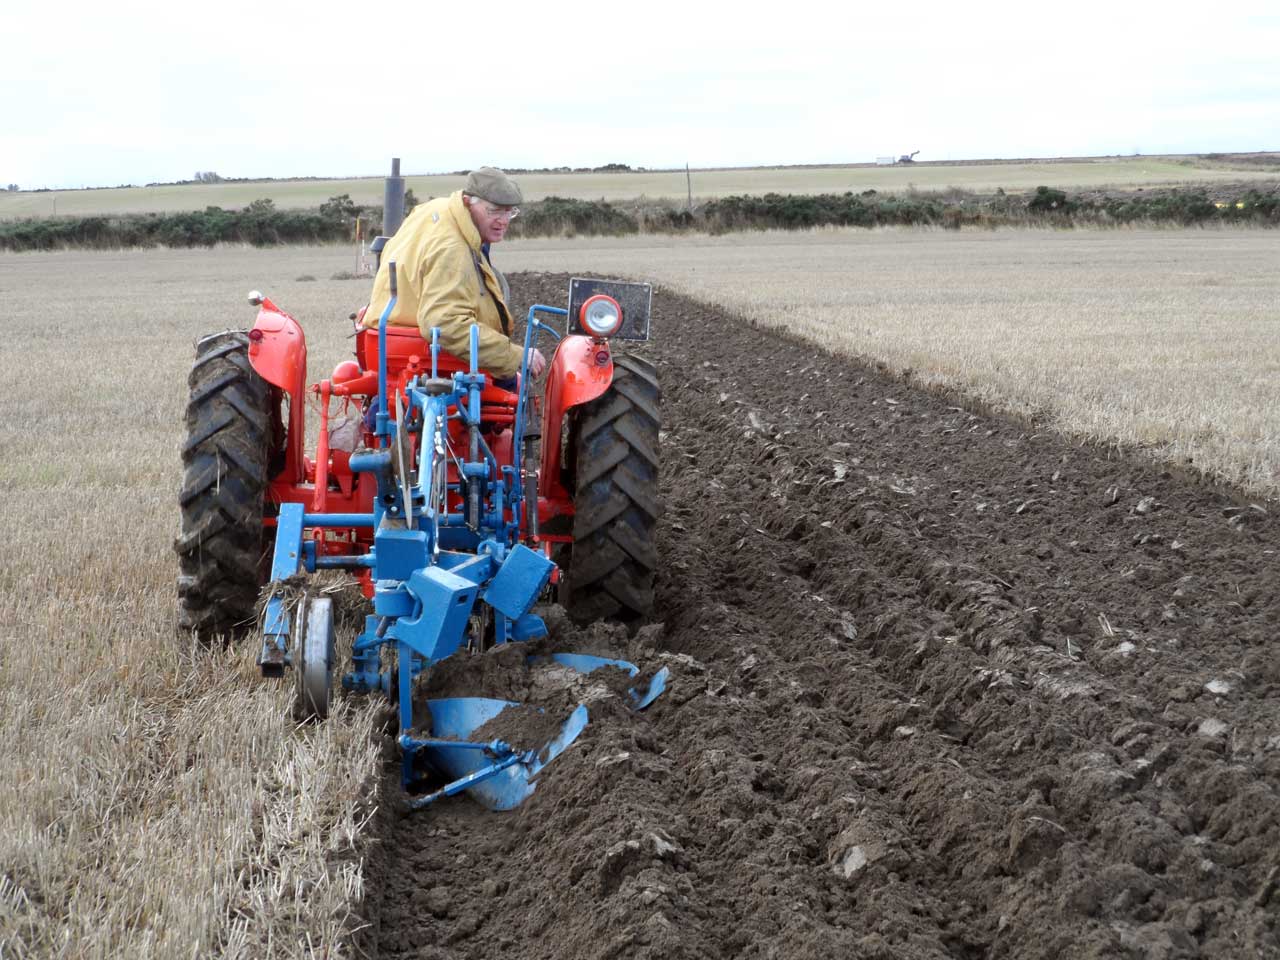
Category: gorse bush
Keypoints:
(1048, 200)
(342, 207)
(563, 216)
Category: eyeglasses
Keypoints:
(500, 213)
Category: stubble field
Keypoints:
(946, 684)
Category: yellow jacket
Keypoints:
(444, 281)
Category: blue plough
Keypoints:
(431, 565)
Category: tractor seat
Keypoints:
(405, 343)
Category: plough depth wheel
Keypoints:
(313, 659)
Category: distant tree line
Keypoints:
(605, 168)
(262, 224)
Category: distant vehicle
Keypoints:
(908, 157)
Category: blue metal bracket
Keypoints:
(445, 602)
(518, 582)
(286, 561)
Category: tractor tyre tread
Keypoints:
(221, 550)
(613, 559)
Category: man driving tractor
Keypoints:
(444, 276)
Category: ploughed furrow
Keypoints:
(943, 686)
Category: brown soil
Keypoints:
(944, 685)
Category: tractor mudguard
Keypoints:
(278, 353)
(580, 371)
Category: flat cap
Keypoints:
(490, 183)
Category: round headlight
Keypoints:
(601, 316)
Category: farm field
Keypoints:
(1120, 173)
(945, 682)
(1161, 340)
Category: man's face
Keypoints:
(491, 220)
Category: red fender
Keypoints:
(278, 352)
(580, 371)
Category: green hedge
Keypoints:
(1046, 206)
(261, 224)
(796, 211)
(1192, 208)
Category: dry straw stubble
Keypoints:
(156, 799)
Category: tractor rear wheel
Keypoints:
(222, 558)
(616, 503)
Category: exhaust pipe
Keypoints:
(392, 209)
(393, 200)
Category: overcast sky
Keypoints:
(102, 94)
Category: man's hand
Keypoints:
(537, 363)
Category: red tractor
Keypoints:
(587, 498)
